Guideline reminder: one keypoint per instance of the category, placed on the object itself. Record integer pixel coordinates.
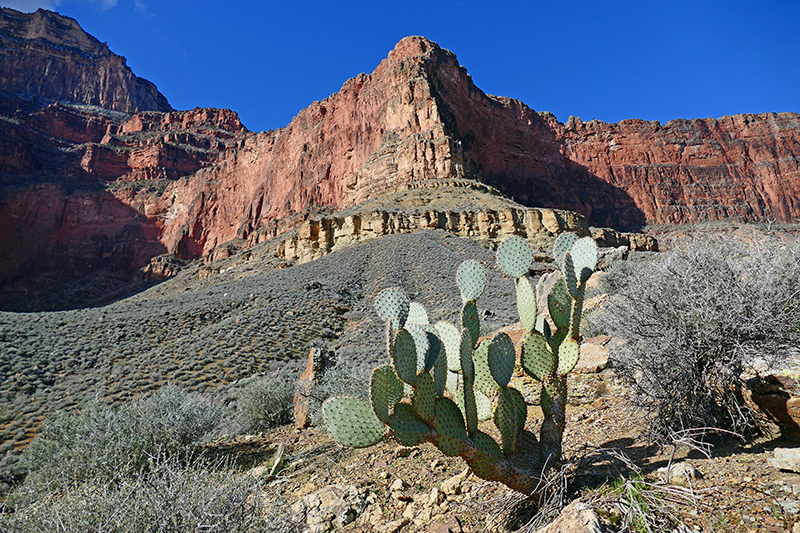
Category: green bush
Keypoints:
(266, 402)
(696, 318)
(104, 442)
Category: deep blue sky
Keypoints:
(610, 60)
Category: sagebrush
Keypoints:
(696, 319)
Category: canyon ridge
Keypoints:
(98, 174)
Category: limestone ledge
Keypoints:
(540, 227)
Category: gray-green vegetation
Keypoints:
(443, 379)
(696, 319)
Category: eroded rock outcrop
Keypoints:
(48, 55)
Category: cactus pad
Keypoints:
(352, 422)
(392, 305)
(584, 257)
(423, 398)
(559, 303)
(453, 380)
(568, 354)
(562, 245)
(407, 428)
(440, 375)
(505, 418)
(465, 355)
(484, 405)
(471, 279)
(570, 276)
(450, 431)
(404, 357)
(526, 303)
(501, 358)
(434, 347)
(451, 338)
(417, 314)
(470, 410)
(514, 256)
(490, 456)
(421, 343)
(537, 359)
(520, 406)
(484, 381)
(386, 390)
(469, 320)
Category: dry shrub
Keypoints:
(696, 318)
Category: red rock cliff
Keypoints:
(418, 116)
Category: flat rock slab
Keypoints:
(786, 459)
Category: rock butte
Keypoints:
(101, 189)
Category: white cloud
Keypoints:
(29, 6)
(107, 4)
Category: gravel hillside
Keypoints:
(254, 317)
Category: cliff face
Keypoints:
(50, 56)
(194, 180)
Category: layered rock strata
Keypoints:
(78, 67)
(193, 181)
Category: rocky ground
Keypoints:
(722, 486)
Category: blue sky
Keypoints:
(610, 60)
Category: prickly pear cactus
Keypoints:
(443, 379)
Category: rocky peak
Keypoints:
(80, 69)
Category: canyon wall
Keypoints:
(192, 181)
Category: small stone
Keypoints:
(680, 473)
(392, 527)
(786, 459)
(449, 525)
(398, 485)
(436, 497)
(796, 527)
(576, 517)
(403, 451)
(452, 486)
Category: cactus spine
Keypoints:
(453, 380)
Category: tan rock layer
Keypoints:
(316, 238)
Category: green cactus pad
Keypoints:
(440, 375)
(520, 406)
(470, 320)
(543, 326)
(453, 379)
(489, 462)
(568, 354)
(547, 402)
(407, 428)
(470, 408)
(392, 305)
(514, 256)
(417, 314)
(526, 303)
(562, 245)
(537, 359)
(423, 398)
(484, 405)
(421, 343)
(584, 257)
(465, 355)
(505, 418)
(556, 340)
(484, 381)
(385, 390)
(570, 276)
(471, 279)
(451, 338)
(487, 446)
(501, 358)
(559, 303)
(404, 357)
(352, 422)
(450, 431)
